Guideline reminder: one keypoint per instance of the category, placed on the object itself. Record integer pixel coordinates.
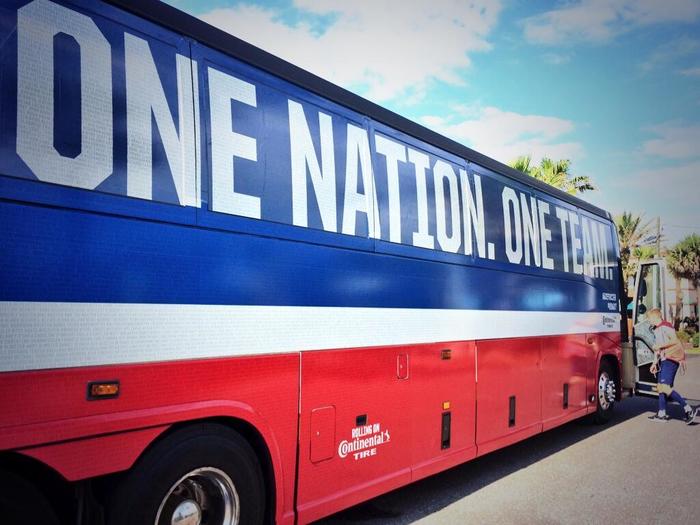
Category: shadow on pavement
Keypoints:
(424, 497)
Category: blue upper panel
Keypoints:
(101, 111)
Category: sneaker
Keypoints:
(690, 415)
(658, 418)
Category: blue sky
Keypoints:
(613, 85)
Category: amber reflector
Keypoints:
(103, 389)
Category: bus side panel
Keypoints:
(50, 406)
(355, 427)
(565, 367)
(509, 403)
(442, 386)
(399, 395)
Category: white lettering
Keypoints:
(563, 216)
(227, 144)
(358, 150)
(587, 248)
(145, 98)
(531, 230)
(37, 24)
(441, 172)
(512, 223)
(597, 254)
(575, 243)
(473, 214)
(604, 246)
(394, 152)
(422, 237)
(546, 236)
(322, 177)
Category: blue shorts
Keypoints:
(667, 373)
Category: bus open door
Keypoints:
(650, 292)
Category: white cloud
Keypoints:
(505, 135)
(383, 49)
(670, 192)
(601, 20)
(556, 59)
(670, 52)
(691, 72)
(674, 141)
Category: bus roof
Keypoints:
(190, 26)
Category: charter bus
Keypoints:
(234, 293)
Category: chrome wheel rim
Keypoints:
(204, 496)
(606, 391)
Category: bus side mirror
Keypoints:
(641, 309)
(642, 288)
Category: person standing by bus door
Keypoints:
(670, 356)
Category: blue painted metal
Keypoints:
(68, 244)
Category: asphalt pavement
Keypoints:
(631, 470)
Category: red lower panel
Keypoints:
(39, 409)
(389, 405)
(371, 438)
(442, 381)
(371, 419)
(508, 389)
(565, 364)
(86, 458)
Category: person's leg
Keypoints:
(662, 405)
(675, 396)
(664, 387)
(667, 375)
(661, 414)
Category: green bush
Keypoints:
(696, 339)
(683, 336)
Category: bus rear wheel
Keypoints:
(605, 394)
(201, 475)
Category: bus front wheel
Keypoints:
(206, 474)
(605, 394)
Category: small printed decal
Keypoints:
(364, 441)
(609, 321)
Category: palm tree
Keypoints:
(633, 233)
(684, 259)
(554, 173)
(684, 262)
(522, 163)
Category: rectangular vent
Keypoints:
(511, 411)
(445, 430)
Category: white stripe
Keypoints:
(38, 335)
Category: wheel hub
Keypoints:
(203, 496)
(606, 391)
(187, 513)
(610, 391)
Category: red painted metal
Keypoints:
(436, 381)
(507, 367)
(86, 458)
(41, 409)
(365, 426)
(564, 360)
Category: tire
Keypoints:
(206, 470)
(604, 405)
(22, 503)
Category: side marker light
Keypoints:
(102, 390)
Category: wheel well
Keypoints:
(611, 361)
(254, 439)
(56, 489)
